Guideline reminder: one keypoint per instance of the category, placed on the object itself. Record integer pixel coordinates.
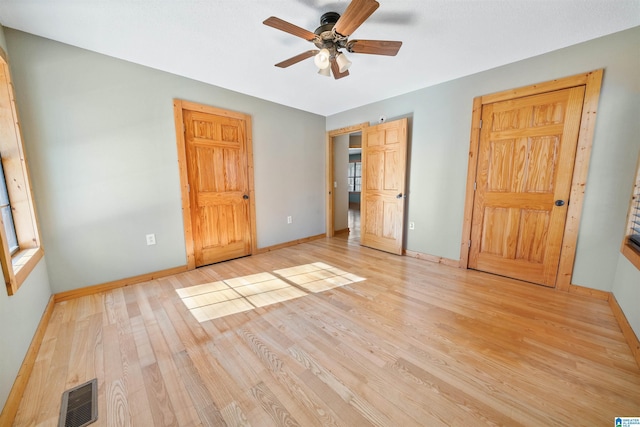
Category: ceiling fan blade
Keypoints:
(294, 60)
(357, 12)
(288, 27)
(374, 47)
(336, 70)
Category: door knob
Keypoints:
(399, 196)
(559, 203)
(244, 196)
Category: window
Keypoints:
(20, 248)
(355, 177)
(631, 242)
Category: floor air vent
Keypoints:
(79, 405)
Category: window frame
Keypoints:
(354, 176)
(16, 267)
(631, 253)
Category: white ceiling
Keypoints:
(224, 43)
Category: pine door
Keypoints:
(217, 169)
(384, 159)
(525, 166)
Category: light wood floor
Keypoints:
(415, 343)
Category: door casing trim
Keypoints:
(178, 106)
(330, 224)
(592, 82)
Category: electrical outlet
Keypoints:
(289, 219)
(412, 225)
(151, 239)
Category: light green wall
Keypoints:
(19, 316)
(100, 137)
(440, 143)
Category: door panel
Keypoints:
(216, 150)
(384, 158)
(525, 163)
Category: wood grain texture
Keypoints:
(525, 163)
(593, 293)
(216, 142)
(290, 28)
(295, 59)
(416, 343)
(216, 148)
(356, 13)
(384, 163)
(184, 181)
(580, 171)
(375, 47)
(18, 183)
(472, 168)
(592, 82)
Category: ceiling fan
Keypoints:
(333, 35)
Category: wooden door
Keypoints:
(525, 167)
(217, 170)
(384, 160)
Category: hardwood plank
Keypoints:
(272, 406)
(234, 415)
(203, 403)
(414, 343)
(161, 407)
(56, 379)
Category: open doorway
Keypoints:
(347, 173)
(344, 176)
(383, 180)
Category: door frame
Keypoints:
(178, 107)
(592, 82)
(330, 223)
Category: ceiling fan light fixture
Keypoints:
(324, 72)
(343, 62)
(333, 35)
(322, 59)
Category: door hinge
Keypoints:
(475, 185)
(188, 188)
(469, 243)
(480, 126)
(184, 128)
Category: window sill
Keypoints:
(631, 254)
(23, 264)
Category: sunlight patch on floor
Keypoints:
(318, 277)
(230, 296)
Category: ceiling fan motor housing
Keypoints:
(327, 38)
